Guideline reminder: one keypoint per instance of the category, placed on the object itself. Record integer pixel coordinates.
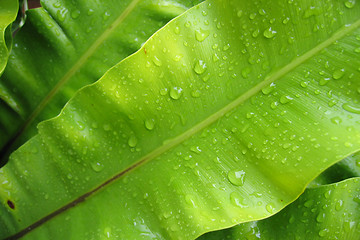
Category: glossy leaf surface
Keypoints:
(224, 116)
(64, 46)
(326, 212)
(8, 12)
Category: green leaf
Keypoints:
(347, 168)
(224, 116)
(64, 46)
(326, 212)
(8, 12)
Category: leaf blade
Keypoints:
(189, 175)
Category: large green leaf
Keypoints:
(326, 212)
(8, 12)
(222, 117)
(64, 46)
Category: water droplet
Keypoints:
(304, 84)
(350, 3)
(90, 12)
(107, 127)
(163, 91)
(357, 199)
(157, 61)
(357, 50)
(269, 33)
(106, 15)
(286, 20)
(226, 47)
(75, 14)
(332, 102)
(149, 124)
(285, 99)
(196, 93)
(339, 205)
(262, 12)
(236, 177)
(189, 199)
(245, 72)
(201, 34)
(237, 200)
(312, 11)
(270, 208)
(175, 93)
(97, 167)
(132, 141)
(309, 203)
(323, 232)
(61, 14)
(323, 81)
(336, 120)
(215, 57)
(337, 74)
(200, 67)
(255, 33)
(350, 108)
(239, 13)
(178, 57)
(320, 217)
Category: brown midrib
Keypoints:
(211, 119)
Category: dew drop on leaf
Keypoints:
(323, 232)
(349, 3)
(337, 74)
(320, 217)
(339, 205)
(239, 13)
(96, 166)
(237, 200)
(149, 124)
(285, 99)
(357, 199)
(336, 120)
(163, 91)
(236, 177)
(157, 61)
(75, 14)
(175, 93)
(269, 33)
(270, 208)
(189, 199)
(201, 34)
(196, 93)
(350, 108)
(132, 141)
(200, 67)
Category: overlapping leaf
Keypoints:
(223, 117)
(326, 212)
(64, 46)
(8, 12)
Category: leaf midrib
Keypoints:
(208, 121)
(70, 73)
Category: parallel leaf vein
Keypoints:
(208, 121)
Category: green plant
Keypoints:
(224, 116)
